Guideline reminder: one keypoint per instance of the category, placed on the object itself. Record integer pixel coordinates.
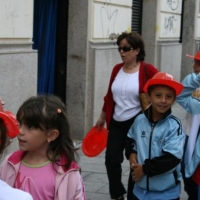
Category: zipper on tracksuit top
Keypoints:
(150, 141)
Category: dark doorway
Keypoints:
(61, 50)
(50, 39)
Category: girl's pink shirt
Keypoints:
(38, 181)
(68, 184)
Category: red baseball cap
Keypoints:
(196, 57)
(163, 78)
(95, 141)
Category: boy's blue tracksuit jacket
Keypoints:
(159, 147)
(191, 104)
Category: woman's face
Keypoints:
(127, 53)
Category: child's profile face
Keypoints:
(196, 66)
(31, 138)
(161, 98)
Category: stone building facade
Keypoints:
(170, 30)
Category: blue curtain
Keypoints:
(44, 39)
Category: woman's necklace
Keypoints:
(132, 66)
(135, 67)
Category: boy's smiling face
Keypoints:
(161, 98)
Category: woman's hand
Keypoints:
(101, 121)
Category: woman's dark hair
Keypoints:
(136, 41)
(46, 113)
(3, 135)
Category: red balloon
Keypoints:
(10, 123)
(95, 141)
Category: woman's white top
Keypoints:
(9, 193)
(125, 89)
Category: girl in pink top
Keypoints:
(45, 166)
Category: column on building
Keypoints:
(92, 53)
(161, 29)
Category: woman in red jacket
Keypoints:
(122, 105)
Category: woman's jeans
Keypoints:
(115, 156)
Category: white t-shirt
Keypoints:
(125, 89)
(9, 193)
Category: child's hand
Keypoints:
(137, 173)
(133, 159)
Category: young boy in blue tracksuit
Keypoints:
(155, 143)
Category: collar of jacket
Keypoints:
(17, 156)
(148, 114)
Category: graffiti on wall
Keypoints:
(110, 19)
(170, 18)
(16, 18)
(116, 2)
(173, 6)
(170, 25)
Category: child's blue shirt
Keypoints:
(191, 103)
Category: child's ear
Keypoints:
(52, 135)
(137, 51)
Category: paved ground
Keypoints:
(94, 172)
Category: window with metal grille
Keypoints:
(136, 24)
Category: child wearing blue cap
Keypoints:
(155, 143)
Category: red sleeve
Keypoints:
(146, 72)
(150, 71)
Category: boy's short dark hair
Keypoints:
(151, 88)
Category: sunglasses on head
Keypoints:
(125, 49)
